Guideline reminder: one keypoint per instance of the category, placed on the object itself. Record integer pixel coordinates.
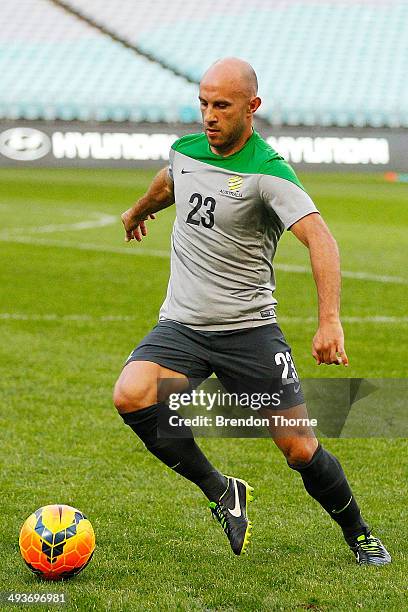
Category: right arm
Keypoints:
(159, 195)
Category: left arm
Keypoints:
(328, 342)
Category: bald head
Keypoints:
(228, 101)
(233, 72)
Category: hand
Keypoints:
(134, 229)
(328, 344)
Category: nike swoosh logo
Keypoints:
(187, 171)
(341, 510)
(236, 510)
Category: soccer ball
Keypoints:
(57, 542)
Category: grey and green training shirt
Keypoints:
(230, 214)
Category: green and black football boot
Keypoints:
(231, 512)
(369, 550)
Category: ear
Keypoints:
(254, 104)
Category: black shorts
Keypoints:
(251, 360)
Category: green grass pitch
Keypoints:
(75, 300)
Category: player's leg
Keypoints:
(261, 354)
(140, 395)
(260, 361)
(322, 474)
(138, 385)
(324, 479)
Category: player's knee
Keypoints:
(299, 451)
(128, 398)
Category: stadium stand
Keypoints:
(319, 62)
(54, 66)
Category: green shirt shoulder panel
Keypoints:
(279, 167)
(255, 157)
(190, 144)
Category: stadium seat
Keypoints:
(53, 66)
(305, 52)
(325, 63)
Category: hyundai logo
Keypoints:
(24, 144)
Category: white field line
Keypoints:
(83, 318)
(379, 278)
(85, 246)
(99, 220)
(345, 319)
(102, 220)
(136, 250)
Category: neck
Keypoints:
(236, 146)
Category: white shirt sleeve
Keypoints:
(171, 159)
(287, 200)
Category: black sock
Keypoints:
(178, 450)
(326, 482)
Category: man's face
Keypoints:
(225, 115)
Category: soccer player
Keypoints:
(234, 197)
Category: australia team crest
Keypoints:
(234, 184)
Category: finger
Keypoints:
(330, 356)
(325, 355)
(128, 235)
(136, 234)
(152, 216)
(316, 356)
(333, 355)
(342, 356)
(143, 229)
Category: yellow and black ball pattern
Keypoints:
(57, 542)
